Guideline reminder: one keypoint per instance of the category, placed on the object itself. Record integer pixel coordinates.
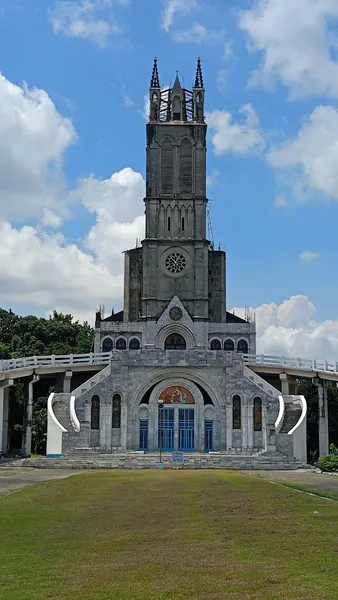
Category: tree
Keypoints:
(36, 336)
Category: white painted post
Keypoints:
(323, 419)
(29, 416)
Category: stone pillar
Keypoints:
(244, 426)
(67, 382)
(250, 427)
(264, 424)
(4, 409)
(124, 425)
(288, 384)
(270, 437)
(29, 417)
(323, 415)
(229, 426)
(199, 426)
(105, 424)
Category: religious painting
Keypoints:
(177, 395)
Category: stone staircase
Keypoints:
(61, 410)
(89, 459)
(293, 412)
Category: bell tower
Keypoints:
(176, 255)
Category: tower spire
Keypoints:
(199, 75)
(155, 80)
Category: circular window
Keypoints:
(175, 313)
(175, 263)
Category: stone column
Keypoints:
(250, 427)
(67, 382)
(124, 425)
(323, 411)
(199, 426)
(4, 408)
(270, 437)
(264, 425)
(244, 426)
(105, 424)
(288, 384)
(29, 416)
(228, 411)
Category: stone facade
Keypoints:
(176, 379)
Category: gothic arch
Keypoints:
(121, 341)
(185, 332)
(185, 166)
(215, 344)
(107, 344)
(167, 166)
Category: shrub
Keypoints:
(328, 462)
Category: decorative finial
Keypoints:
(199, 75)
(155, 80)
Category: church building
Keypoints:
(176, 378)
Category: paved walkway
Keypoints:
(13, 479)
(305, 477)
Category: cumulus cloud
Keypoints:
(88, 19)
(296, 42)
(38, 266)
(289, 329)
(314, 152)
(241, 137)
(33, 140)
(308, 255)
(174, 8)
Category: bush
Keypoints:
(328, 462)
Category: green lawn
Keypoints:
(156, 535)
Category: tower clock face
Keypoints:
(175, 313)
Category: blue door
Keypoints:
(208, 435)
(144, 434)
(166, 422)
(186, 429)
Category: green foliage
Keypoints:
(328, 462)
(36, 336)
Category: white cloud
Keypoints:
(289, 329)
(33, 140)
(280, 201)
(308, 256)
(89, 19)
(43, 269)
(241, 137)
(174, 8)
(197, 34)
(296, 43)
(314, 151)
(222, 79)
(213, 180)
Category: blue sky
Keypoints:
(75, 75)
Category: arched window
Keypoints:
(236, 412)
(95, 413)
(215, 345)
(257, 410)
(175, 341)
(107, 345)
(121, 344)
(185, 167)
(116, 423)
(229, 346)
(177, 106)
(242, 347)
(167, 166)
(134, 344)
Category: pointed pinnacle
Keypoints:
(199, 75)
(155, 80)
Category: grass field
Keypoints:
(167, 535)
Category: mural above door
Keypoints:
(177, 395)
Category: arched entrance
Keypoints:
(175, 341)
(176, 409)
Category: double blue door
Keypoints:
(166, 428)
(186, 429)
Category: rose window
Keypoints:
(175, 263)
